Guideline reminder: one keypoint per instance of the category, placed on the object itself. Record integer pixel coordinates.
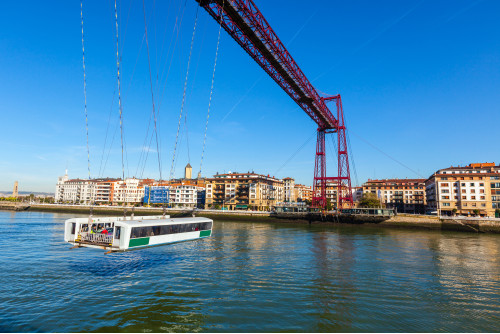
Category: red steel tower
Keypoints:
(243, 21)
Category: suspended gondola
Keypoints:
(120, 234)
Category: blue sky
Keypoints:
(419, 82)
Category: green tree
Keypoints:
(369, 200)
(454, 211)
(329, 205)
(476, 212)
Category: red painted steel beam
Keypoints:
(243, 21)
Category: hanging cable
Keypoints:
(91, 199)
(211, 88)
(119, 89)
(85, 90)
(387, 155)
(151, 85)
(351, 158)
(295, 153)
(184, 94)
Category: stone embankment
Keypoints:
(463, 224)
(13, 206)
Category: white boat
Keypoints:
(119, 234)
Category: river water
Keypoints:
(250, 277)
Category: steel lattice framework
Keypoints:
(247, 26)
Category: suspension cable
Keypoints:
(295, 153)
(86, 113)
(119, 89)
(152, 93)
(211, 87)
(85, 91)
(184, 94)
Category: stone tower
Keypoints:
(188, 172)
(15, 192)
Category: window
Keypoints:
(473, 191)
(117, 232)
(444, 178)
(446, 204)
(73, 227)
(472, 184)
(464, 197)
(463, 191)
(473, 197)
(463, 184)
(481, 184)
(482, 197)
(446, 197)
(445, 191)
(483, 204)
(147, 231)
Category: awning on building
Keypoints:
(241, 206)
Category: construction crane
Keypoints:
(243, 21)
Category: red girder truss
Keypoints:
(247, 26)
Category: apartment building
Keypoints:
(128, 191)
(304, 193)
(404, 195)
(470, 190)
(74, 191)
(186, 196)
(243, 191)
(289, 188)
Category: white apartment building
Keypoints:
(75, 191)
(128, 191)
(78, 191)
(185, 195)
(289, 189)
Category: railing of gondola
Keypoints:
(96, 237)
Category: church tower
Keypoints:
(188, 172)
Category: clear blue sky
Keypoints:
(419, 80)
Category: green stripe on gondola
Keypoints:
(205, 233)
(138, 242)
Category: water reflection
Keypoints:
(250, 277)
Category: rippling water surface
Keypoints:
(250, 277)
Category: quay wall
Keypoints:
(13, 206)
(143, 211)
(474, 225)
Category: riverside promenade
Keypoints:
(408, 221)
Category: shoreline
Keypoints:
(406, 221)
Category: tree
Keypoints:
(476, 212)
(454, 211)
(329, 205)
(369, 200)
